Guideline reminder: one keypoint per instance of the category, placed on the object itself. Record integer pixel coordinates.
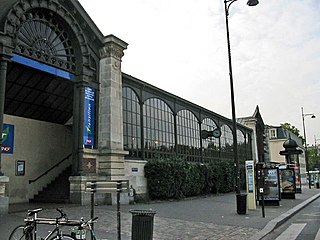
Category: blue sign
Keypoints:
(7, 138)
(135, 169)
(41, 66)
(89, 110)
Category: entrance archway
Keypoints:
(46, 65)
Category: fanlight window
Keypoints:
(41, 37)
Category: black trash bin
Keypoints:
(317, 185)
(142, 224)
(242, 203)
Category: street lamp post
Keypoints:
(316, 151)
(303, 115)
(227, 4)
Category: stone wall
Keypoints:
(41, 145)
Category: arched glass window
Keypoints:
(241, 145)
(158, 129)
(188, 135)
(210, 146)
(131, 122)
(226, 142)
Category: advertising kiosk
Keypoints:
(269, 180)
(288, 172)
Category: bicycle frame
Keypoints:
(32, 222)
(92, 233)
(82, 227)
(30, 229)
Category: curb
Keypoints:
(276, 222)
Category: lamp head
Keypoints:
(252, 2)
(313, 116)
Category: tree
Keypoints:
(291, 128)
(313, 158)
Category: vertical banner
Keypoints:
(7, 138)
(89, 114)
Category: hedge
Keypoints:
(176, 178)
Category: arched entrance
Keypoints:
(47, 67)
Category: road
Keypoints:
(305, 225)
(211, 217)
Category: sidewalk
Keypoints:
(202, 218)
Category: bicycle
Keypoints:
(80, 232)
(28, 231)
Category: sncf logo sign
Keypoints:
(7, 138)
(5, 149)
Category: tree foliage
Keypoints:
(291, 128)
(313, 158)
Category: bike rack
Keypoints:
(108, 187)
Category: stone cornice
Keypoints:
(113, 47)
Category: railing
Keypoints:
(50, 169)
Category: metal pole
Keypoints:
(262, 177)
(119, 187)
(3, 75)
(305, 147)
(93, 190)
(233, 108)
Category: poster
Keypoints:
(288, 181)
(89, 115)
(297, 176)
(7, 138)
(271, 187)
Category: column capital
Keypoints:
(113, 47)
(6, 47)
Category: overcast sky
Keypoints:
(180, 46)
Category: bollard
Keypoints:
(142, 224)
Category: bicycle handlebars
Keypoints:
(61, 220)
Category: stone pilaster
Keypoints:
(4, 199)
(5, 56)
(111, 154)
(252, 123)
(107, 162)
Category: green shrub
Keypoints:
(176, 178)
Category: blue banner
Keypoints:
(41, 66)
(89, 110)
(7, 138)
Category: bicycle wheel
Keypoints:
(19, 233)
(64, 237)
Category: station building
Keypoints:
(66, 107)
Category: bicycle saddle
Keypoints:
(32, 212)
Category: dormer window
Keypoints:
(273, 133)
